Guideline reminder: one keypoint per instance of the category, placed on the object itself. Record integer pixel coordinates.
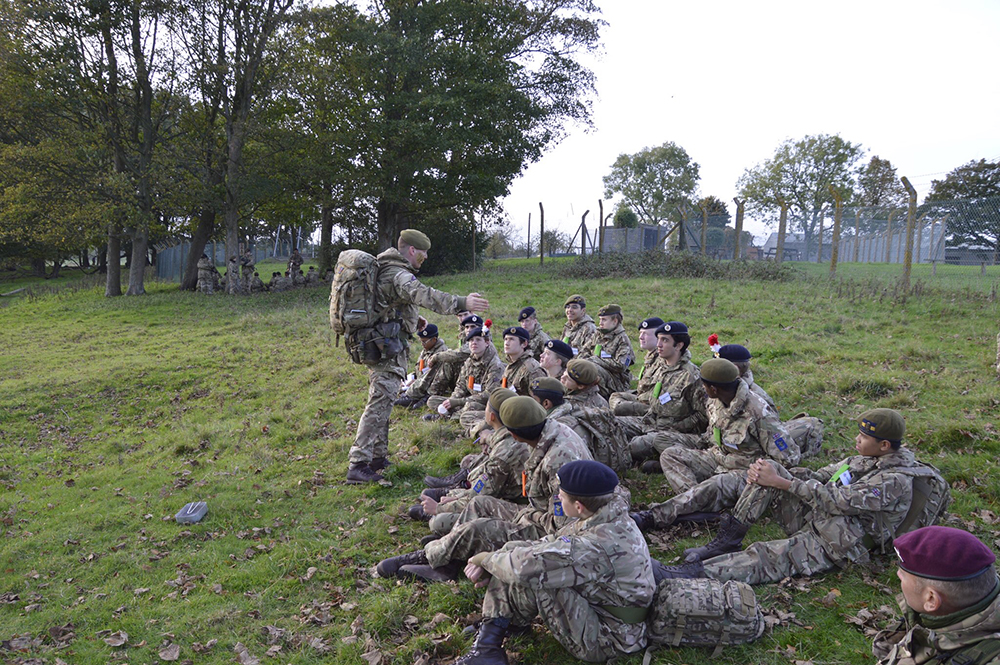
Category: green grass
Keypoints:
(116, 412)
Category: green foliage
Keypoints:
(653, 181)
(969, 181)
(625, 218)
(879, 186)
(674, 264)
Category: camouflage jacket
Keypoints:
(754, 387)
(589, 396)
(918, 638)
(423, 360)
(478, 376)
(256, 284)
(605, 436)
(499, 475)
(746, 430)
(611, 350)
(680, 404)
(603, 558)
(519, 374)
(205, 268)
(557, 445)
(536, 344)
(650, 374)
(459, 355)
(400, 290)
(577, 335)
(874, 493)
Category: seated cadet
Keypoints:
(517, 375)
(740, 356)
(610, 349)
(487, 522)
(950, 601)
(741, 429)
(256, 283)
(680, 403)
(448, 364)
(496, 473)
(415, 394)
(833, 516)
(582, 382)
(312, 277)
(599, 428)
(528, 320)
(636, 402)
(590, 583)
(480, 374)
(579, 326)
(555, 356)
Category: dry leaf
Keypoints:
(274, 651)
(373, 657)
(244, 657)
(116, 639)
(309, 573)
(349, 639)
(169, 652)
(202, 648)
(140, 591)
(830, 599)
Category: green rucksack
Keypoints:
(355, 313)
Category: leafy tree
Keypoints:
(718, 212)
(801, 174)
(653, 181)
(974, 180)
(879, 186)
(970, 196)
(625, 218)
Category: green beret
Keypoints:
(582, 371)
(521, 411)
(416, 239)
(882, 424)
(498, 396)
(577, 299)
(547, 384)
(719, 370)
(610, 310)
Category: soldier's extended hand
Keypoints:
(476, 303)
(421, 323)
(429, 504)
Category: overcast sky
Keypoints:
(914, 82)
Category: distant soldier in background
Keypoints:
(294, 263)
(233, 284)
(256, 284)
(207, 274)
(312, 277)
(247, 268)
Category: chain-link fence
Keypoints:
(171, 258)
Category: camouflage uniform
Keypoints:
(539, 338)
(737, 436)
(478, 377)
(600, 430)
(754, 387)
(612, 353)
(589, 396)
(486, 523)
(496, 474)
(312, 277)
(247, 268)
(257, 284)
(577, 335)
(829, 523)
(424, 374)
(517, 376)
(679, 407)
(919, 638)
(233, 283)
(399, 288)
(569, 578)
(294, 263)
(206, 275)
(447, 365)
(636, 402)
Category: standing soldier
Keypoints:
(528, 319)
(294, 263)
(246, 268)
(610, 349)
(233, 283)
(403, 294)
(579, 326)
(206, 275)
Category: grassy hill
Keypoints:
(114, 413)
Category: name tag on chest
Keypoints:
(477, 387)
(664, 398)
(605, 354)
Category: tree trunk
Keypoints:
(204, 231)
(388, 224)
(326, 239)
(102, 260)
(56, 267)
(113, 285)
(38, 268)
(137, 268)
(85, 258)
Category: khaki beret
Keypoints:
(547, 384)
(521, 411)
(415, 238)
(882, 424)
(719, 370)
(582, 371)
(577, 299)
(610, 310)
(498, 396)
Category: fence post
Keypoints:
(583, 234)
(888, 238)
(473, 220)
(838, 211)
(911, 216)
(600, 226)
(541, 234)
(941, 237)
(527, 253)
(704, 228)
(682, 238)
(739, 228)
(819, 236)
(782, 230)
(920, 235)
(857, 233)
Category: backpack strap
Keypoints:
(980, 653)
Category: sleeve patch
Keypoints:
(478, 487)
(876, 492)
(557, 509)
(565, 539)
(779, 441)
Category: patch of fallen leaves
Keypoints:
(872, 621)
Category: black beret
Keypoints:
(587, 478)
(429, 331)
(525, 313)
(517, 331)
(575, 299)
(885, 424)
(610, 310)
(472, 320)
(672, 328)
(736, 353)
(520, 412)
(653, 322)
(560, 347)
(942, 553)
(719, 371)
(477, 332)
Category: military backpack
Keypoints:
(355, 314)
(604, 434)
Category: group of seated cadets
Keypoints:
(723, 450)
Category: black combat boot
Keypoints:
(651, 466)
(685, 571)
(698, 518)
(360, 472)
(449, 572)
(405, 401)
(728, 539)
(418, 402)
(417, 514)
(390, 567)
(643, 519)
(436, 493)
(456, 479)
(431, 417)
(379, 464)
(488, 647)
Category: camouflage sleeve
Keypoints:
(499, 472)
(450, 356)
(553, 563)
(696, 419)
(493, 374)
(462, 389)
(777, 444)
(409, 287)
(590, 341)
(881, 492)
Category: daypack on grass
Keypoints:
(931, 496)
(354, 310)
(807, 432)
(603, 433)
(703, 613)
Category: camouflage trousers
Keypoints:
(421, 385)
(372, 439)
(685, 467)
(769, 562)
(472, 420)
(627, 404)
(445, 378)
(583, 629)
(612, 382)
(649, 446)
(206, 285)
(484, 525)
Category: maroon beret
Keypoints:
(943, 553)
